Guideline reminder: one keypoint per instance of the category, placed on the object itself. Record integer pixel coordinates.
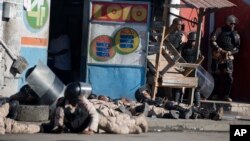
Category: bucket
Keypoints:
(205, 81)
(45, 83)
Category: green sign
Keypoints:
(38, 16)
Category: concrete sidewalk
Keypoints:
(238, 108)
(161, 125)
(235, 113)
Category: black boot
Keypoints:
(184, 113)
(14, 105)
(177, 97)
(174, 114)
(197, 98)
(142, 109)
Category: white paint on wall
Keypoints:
(174, 10)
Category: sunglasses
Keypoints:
(232, 23)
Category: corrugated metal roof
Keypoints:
(209, 3)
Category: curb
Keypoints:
(201, 125)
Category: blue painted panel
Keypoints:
(116, 81)
(32, 55)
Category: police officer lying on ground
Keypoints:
(115, 120)
(25, 96)
(156, 108)
(8, 112)
(170, 109)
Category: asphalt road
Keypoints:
(161, 136)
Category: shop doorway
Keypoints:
(69, 14)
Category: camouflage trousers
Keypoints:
(8, 125)
(120, 123)
(59, 117)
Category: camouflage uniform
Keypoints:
(8, 125)
(113, 121)
(59, 119)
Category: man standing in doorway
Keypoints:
(225, 44)
(59, 50)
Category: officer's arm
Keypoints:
(214, 38)
(93, 125)
(237, 43)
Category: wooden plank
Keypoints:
(187, 65)
(179, 82)
(189, 71)
(158, 55)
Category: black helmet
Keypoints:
(75, 89)
(92, 96)
(139, 96)
(26, 90)
(192, 36)
(231, 19)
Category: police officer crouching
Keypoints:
(74, 113)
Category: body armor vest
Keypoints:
(189, 53)
(226, 39)
(175, 39)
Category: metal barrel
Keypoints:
(45, 83)
(205, 81)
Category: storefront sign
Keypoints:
(119, 12)
(118, 33)
(101, 48)
(126, 40)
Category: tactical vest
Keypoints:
(175, 39)
(226, 39)
(189, 53)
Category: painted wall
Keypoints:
(191, 14)
(26, 34)
(241, 74)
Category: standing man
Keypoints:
(60, 53)
(177, 37)
(225, 44)
(189, 53)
